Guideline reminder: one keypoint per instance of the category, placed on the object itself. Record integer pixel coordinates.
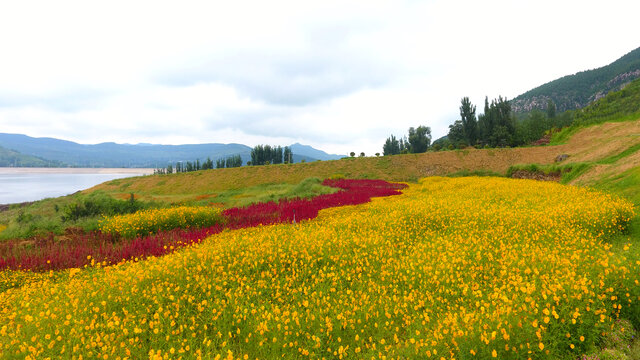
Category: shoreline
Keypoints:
(40, 170)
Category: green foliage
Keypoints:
(577, 91)
(568, 172)
(391, 146)
(13, 158)
(270, 192)
(469, 121)
(496, 126)
(78, 211)
(419, 139)
(229, 162)
(551, 109)
(100, 204)
(456, 133)
(466, 173)
(532, 127)
(267, 154)
(623, 105)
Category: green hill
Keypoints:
(578, 90)
(10, 158)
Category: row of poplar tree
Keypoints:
(188, 166)
(260, 155)
(267, 154)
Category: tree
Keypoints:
(456, 132)
(419, 139)
(551, 109)
(362, 154)
(404, 145)
(497, 125)
(288, 155)
(391, 146)
(377, 154)
(469, 122)
(353, 154)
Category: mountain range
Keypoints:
(579, 90)
(23, 150)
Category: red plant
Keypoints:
(79, 249)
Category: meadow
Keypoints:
(453, 268)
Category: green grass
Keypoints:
(617, 106)
(264, 193)
(464, 173)
(55, 215)
(626, 184)
(614, 158)
(568, 172)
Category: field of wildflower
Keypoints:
(458, 268)
(133, 236)
(147, 222)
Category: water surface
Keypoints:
(30, 184)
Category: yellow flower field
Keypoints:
(454, 268)
(150, 221)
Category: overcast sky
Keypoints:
(338, 75)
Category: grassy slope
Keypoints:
(409, 168)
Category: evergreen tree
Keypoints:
(288, 155)
(404, 145)
(551, 109)
(391, 146)
(469, 122)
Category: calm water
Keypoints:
(19, 185)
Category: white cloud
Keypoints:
(338, 75)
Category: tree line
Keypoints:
(260, 155)
(498, 126)
(417, 141)
(267, 154)
(188, 166)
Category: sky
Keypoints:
(341, 76)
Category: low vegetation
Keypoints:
(161, 231)
(85, 211)
(464, 267)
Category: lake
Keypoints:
(30, 184)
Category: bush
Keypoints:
(98, 204)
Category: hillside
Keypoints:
(577, 91)
(599, 147)
(140, 155)
(510, 268)
(10, 158)
(590, 144)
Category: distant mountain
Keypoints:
(139, 155)
(577, 91)
(10, 158)
(312, 153)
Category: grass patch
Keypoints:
(56, 215)
(617, 106)
(614, 158)
(568, 172)
(307, 188)
(626, 184)
(465, 173)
